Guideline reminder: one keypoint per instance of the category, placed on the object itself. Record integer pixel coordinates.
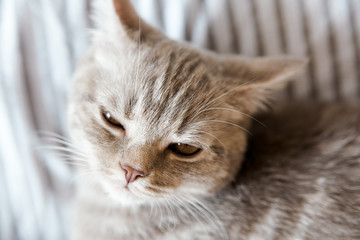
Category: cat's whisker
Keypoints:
(84, 173)
(69, 151)
(80, 176)
(191, 213)
(59, 148)
(170, 205)
(152, 210)
(212, 135)
(73, 158)
(70, 155)
(190, 208)
(209, 215)
(161, 215)
(233, 110)
(52, 134)
(181, 205)
(143, 192)
(217, 223)
(53, 137)
(201, 213)
(198, 211)
(158, 212)
(223, 95)
(226, 122)
(60, 141)
(70, 162)
(75, 164)
(63, 149)
(169, 210)
(73, 155)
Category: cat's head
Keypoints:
(158, 119)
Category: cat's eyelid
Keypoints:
(194, 144)
(112, 112)
(184, 151)
(189, 139)
(110, 120)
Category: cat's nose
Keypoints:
(131, 174)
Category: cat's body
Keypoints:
(300, 180)
(162, 133)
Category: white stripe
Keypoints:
(313, 208)
(200, 30)
(58, 56)
(265, 229)
(243, 19)
(346, 56)
(316, 18)
(296, 44)
(12, 150)
(356, 10)
(77, 16)
(269, 27)
(174, 19)
(219, 24)
(192, 9)
(148, 11)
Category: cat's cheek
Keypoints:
(194, 189)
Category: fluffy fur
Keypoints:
(297, 180)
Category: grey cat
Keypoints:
(169, 147)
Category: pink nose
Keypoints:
(131, 174)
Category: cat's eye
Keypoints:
(185, 150)
(111, 120)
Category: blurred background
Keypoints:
(41, 41)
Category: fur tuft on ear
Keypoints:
(129, 18)
(253, 80)
(120, 17)
(127, 15)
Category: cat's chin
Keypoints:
(124, 196)
(126, 199)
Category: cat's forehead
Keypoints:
(163, 91)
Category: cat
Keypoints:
(175, 142)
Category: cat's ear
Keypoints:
(131, 23)
(254, 80)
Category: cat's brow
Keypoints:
(88, 98)
(129, 106)
(170, 65)
(185, 68)
(176, 76)
(114, 102)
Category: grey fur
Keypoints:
(293, 179)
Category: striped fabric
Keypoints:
(41, 40)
